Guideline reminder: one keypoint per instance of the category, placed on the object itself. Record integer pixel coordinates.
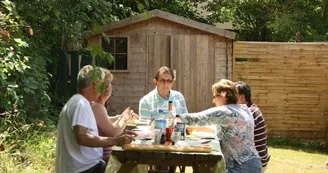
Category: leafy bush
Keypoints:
(23, 78)
(30, 33)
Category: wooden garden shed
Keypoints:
(201, 54)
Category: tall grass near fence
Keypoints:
(28, 147)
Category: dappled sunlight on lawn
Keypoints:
(293, 161)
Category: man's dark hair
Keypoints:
(164, 69)
(244, 88)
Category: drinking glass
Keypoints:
(175, 136)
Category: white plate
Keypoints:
(203, 135)
(141, 122)
(143, 128)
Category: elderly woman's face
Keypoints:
(108, 90)
(219, 100)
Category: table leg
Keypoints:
(172, 169)
(201, 168)
(127, 167)
(182, 169)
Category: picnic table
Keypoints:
(137, 161)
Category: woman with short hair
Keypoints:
(235, 128)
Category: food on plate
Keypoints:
(138, 122)
(191, 129)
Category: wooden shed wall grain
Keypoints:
(199, 59)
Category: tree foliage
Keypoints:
(32, 32)
(185, 8)
(22, 83)
(268, 20)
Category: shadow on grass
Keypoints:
(297, 145)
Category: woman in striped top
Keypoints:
(109, 126)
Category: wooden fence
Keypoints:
(69, 64)
(289, 84)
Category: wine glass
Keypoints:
(175, 136)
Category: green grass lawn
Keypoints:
(294, 161)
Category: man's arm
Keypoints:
(260, 136)
(86, 139)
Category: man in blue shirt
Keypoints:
(159, 97)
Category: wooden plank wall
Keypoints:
(158, 53)
(193, 58)
(290, 85)
(223, 58)
(129, 87)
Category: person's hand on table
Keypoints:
(134, 115)
(130, 132)
(125, 138)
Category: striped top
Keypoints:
(152, 102)
(106, 150)
(260, 135)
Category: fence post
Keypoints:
(62, 75)
(86, 59)
(74, 71)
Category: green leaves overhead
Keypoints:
(20, 43)
(58, 25)
(268, 20)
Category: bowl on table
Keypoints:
(201, 132)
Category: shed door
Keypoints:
(192, 56)
(158, 55)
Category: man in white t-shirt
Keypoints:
(79, 147)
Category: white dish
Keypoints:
(143, 128)
(203, 135)
(142, 122)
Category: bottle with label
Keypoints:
(165, 106)
(169, 122)
(161, 114)
(160, 123)
(170, 115)
(180, 126)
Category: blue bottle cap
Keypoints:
(160, 111)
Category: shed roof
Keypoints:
(171, 17)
